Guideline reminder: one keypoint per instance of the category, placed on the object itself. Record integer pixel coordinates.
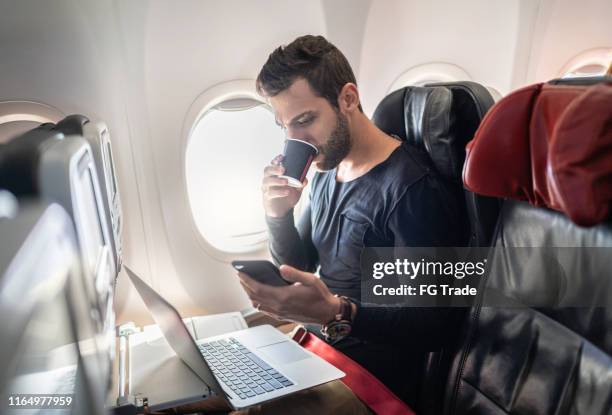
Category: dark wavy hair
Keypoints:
(310, 57)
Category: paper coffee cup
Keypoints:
(297, 158)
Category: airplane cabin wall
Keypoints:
(478, 36)
(566, 29)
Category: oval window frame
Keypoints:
(206, 101)
(595, 56)
(428, 73)
(28, 111)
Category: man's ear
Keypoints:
(348, 98)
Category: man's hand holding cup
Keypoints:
(285, 177)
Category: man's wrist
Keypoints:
(280, 217)
(332, 311)
(339, 326)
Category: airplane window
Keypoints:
(592, 62)
(428, 73)
(11, 129)
(590, 69)
(17, 117)
(227, 151)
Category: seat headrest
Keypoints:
(438, 118)
(72, 124)
(19, 159)
(550, 145)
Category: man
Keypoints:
(369, 190)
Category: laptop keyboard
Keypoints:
(245, 374)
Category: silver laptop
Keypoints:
(247, 366)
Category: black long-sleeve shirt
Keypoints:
(399, 202)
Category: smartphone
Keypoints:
(264, 272)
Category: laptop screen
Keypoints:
(175, 332)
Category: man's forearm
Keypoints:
(286, 244)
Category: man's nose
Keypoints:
(299, 135)
(295, 134)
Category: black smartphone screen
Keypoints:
(264, 272)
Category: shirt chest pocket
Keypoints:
(351, 240)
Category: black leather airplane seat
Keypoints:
(441, 119)
(72, 124)
(547, 349)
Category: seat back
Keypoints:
(440, 119)
(539, 339)
(49, 342)
(44, 163)
(67, 175)
(98, 137)
(19, 159)
(471, 102)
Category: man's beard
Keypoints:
(337, 146)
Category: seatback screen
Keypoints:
(87, 218)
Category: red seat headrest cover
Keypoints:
(550, 145)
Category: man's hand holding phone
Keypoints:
(293, 295)
(264, 272)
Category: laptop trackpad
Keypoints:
(283, 352)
